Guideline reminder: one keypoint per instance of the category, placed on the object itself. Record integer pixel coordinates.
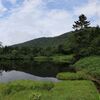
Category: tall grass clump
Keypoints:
(72, 76)
(89, 64)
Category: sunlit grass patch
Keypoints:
(64, 90)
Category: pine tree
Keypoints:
(81, 23)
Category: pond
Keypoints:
(18, 75)
(25, 69)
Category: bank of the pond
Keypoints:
(28, 90)
(89, 65)
(97, 83)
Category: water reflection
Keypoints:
(28, 69)
(44, 69)
(18, 75)
(1, 72)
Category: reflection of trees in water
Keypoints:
(43, 69)
(1, 72)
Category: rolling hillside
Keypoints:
(49, 41)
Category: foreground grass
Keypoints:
(64, 90)
(90, 65)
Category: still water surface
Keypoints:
(18, 69)
(18, 75)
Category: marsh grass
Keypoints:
(64, 90)
(91, 65)
(72, 76)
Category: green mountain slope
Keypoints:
(84, 42)
(47, 42)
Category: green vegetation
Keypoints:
(79, 49)
(72, 76)
(65, 90)
(81, 43)
(41, 58)
(62, 58)
(56, 58)
(81, 23)
(90, 65)
(35, 96)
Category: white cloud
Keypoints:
(2, 8)
(91, 9)
(33, 20)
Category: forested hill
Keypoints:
(45, 42)
(84, 42)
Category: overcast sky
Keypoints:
(22, 20)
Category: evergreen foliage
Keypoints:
(81, 23)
